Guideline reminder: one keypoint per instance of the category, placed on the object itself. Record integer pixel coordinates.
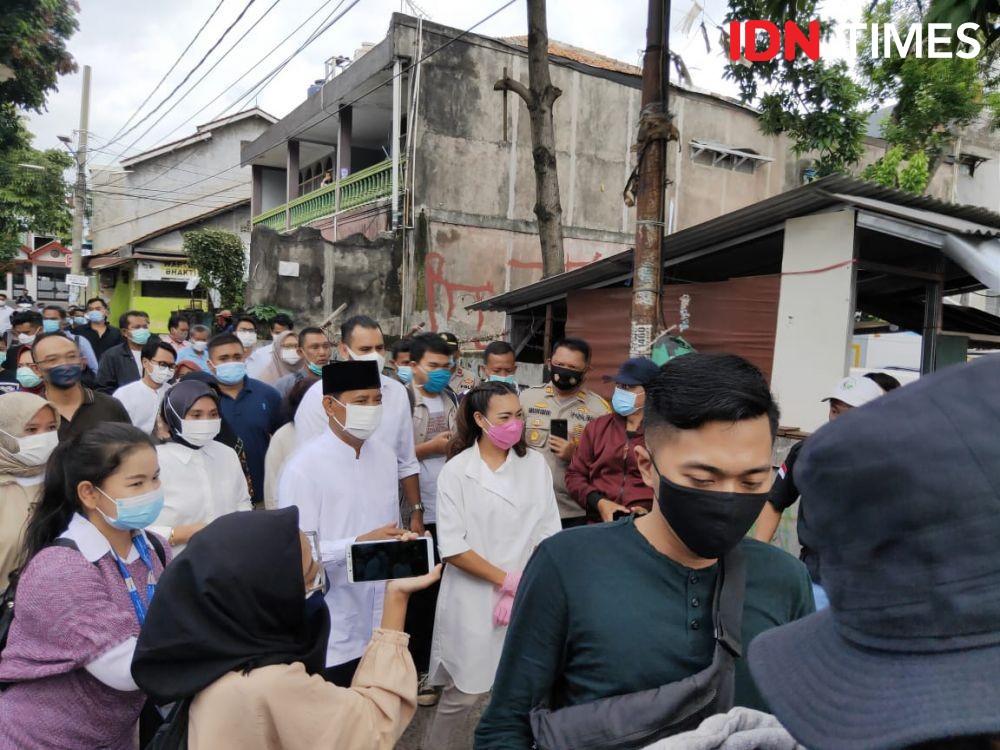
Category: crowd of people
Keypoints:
(176, 511)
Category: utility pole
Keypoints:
(653, 130)
(80, 193)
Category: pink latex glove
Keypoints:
(510, 583)
(501, 613)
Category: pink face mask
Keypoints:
(505, 436)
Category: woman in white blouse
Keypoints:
(495, 503)
(202, 478)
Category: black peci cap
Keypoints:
(350, 376)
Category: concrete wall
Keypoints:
(815, 316)
(236, 221)
(167, 184)
(272, 189)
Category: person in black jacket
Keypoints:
(122, 364)
(101, 334)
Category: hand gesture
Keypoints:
(409, 586)
(383, 533)
(562, 448)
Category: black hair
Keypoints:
(574, 345)
(176, 319)
(92, 456)
(883, 380)
(151, 347)
(311, 331)
(123, 318)
(502, 349)
(245, 319)
(42, 336)
(357, 321)
(92, 300)
(62, 313)
(403, 345)
(478, 399)
(428, 342)
(32, 317)
(283, 319)
(222, 339)
(695, 389)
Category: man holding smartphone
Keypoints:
(556, 415)
(346, 491)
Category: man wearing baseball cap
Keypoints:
(849, 393)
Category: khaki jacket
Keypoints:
(421, 414)
(282, 708)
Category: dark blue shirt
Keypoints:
(254, 415)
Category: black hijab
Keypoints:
(235, 600)
(226, 436)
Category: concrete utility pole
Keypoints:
(653, 130)
(80, 193)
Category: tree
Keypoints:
(32, 193)
(984, 13)
(220, 260)
(816, 103)
(539, 96)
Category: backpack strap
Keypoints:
(157, 548)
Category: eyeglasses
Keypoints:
(54, 360)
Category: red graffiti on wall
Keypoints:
(435, 280)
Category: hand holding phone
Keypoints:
(559, 428)
(389, 560)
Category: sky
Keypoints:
(131, 45)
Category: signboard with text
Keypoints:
(155, 270)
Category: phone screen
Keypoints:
(560, 428)
(382, 561)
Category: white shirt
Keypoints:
(502, 516)
(5, 313)
(199, 485)
(431, 466)
(141, 402)
(281, 447)
(137, 356)
(258, 360)
(395, 429)
(342, 496)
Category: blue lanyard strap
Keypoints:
(140, 609)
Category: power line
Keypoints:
(167, 74)
(190, 72)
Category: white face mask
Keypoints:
(247, 338)
(160, 374)
(34, 450)
(24, 339)
(199, 346)
(362, 421)
(290, 356)
(200, 432)
(372, 356)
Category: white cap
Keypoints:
(855, 391)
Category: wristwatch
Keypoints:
(417, 507)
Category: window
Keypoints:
(175, 289)
(733, 158)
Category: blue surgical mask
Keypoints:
(405, 373)
(136, 512)
(27, 377)
(139, 335)
(51, 326)
(230, 373)
(623, 402)
(79, 320)
(508, 379)
(437, 380)
(95, 316)
(315, 369)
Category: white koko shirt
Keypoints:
(395, 429)
(341, 495)
(141, 402)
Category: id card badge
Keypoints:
(319, 583)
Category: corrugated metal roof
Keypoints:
(822, 194)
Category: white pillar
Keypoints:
(31, 282)
(397, 113)
(10, 286)
(815, 315)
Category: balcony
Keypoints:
(358, 189)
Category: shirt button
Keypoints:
(695, 601)
(693, 578)
(695, 625)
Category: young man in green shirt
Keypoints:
(624, 607)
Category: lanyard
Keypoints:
(140, 609)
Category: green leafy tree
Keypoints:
(816, 103)
(898, 170)
(32, 194)
(220, 260)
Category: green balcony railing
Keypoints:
(362, 187)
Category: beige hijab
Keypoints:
(16, 410)
(277, 367)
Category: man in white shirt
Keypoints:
(142, 398)
(259, 359)
(344, 485)
(361, 340)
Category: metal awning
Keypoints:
(721, 151)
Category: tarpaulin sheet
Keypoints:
(738, 316)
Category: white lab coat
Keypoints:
(502, 516)
(141, 402)
(341, 495)
(199, 485)
(395, 430)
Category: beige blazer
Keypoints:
(282, 708)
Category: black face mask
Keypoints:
(566, 379)
(709, 523)
(64, 376)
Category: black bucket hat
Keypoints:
(904, 502)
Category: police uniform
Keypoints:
(541, 406)
(463, 380)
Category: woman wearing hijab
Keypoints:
(28, 425)
(284, 359)
(239, 625)
(202, 478)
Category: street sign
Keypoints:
(75, 280)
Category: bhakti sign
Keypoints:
(154, 270)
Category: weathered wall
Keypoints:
(236, 221)
(364, 275)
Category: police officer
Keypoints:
(563, 398)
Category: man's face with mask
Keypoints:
(716, 479)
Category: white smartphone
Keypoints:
(386, 560)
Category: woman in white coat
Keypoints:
(495, 504)
(202, 479)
